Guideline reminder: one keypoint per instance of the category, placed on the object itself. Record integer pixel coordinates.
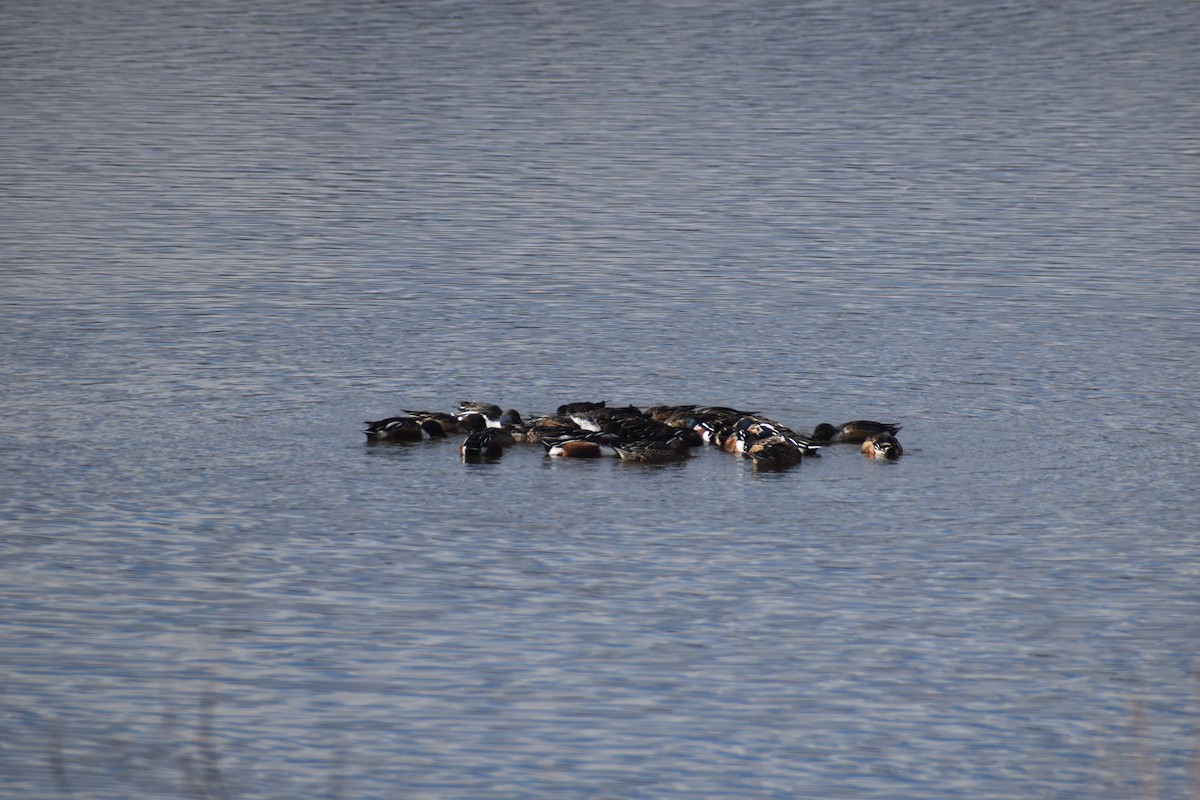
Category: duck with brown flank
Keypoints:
(587, 444)
(882, 445)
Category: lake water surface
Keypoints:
(234, 231)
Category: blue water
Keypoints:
(233, 232)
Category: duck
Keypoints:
(567, 409)
(759, 427)
(712, 432)
(510, 419)
(774, 452)
(551, 420)
(489, 411)
(540, 429)
(686, 416)
(581, 445)
(732, 437)
(448, 422)
(718, 425)
(734, 440)
(404, 429)
(852, 432)
(631, 429)
(742, 435)
(691, 415)
(596, 419)
(487, 443)
(668, 413)
(473, 421)
(653, 452)
(882, 445)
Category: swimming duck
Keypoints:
(668, 414)
(882, 445)
(540, 429)
(774, 452)
(713, 432)
(596, 419)
(448, 422)
(735, 442)
(487, 443)
(581, 445)
(508, 418)
(404, 429)
(502, 436)
(653, 452)
(758, 427)
(567, 409)
(490, 411)
(689, 416)
(472, 422)
(686, 416)
(852, 432)
(724, 412)
(632, 429)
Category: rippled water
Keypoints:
(232, 232)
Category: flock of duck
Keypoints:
(654, 435)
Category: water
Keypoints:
(233, 232)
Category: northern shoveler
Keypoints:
(852, 432)
(671, 414)
(473, 421)
(567, 409)
(488, 443)
(581, 445)
(724, 412)
(596, 419)
(733, 437)
(490, 411)
(540, 429)
(882, 445)
(632, 429)
(774, 452)
(653, 452)
(508, 418)
(713, 432)
(551, 420)
(502, 436)
(404, 429)
(693, 416)
(764, 428)
(735, 441)
(449, 422)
